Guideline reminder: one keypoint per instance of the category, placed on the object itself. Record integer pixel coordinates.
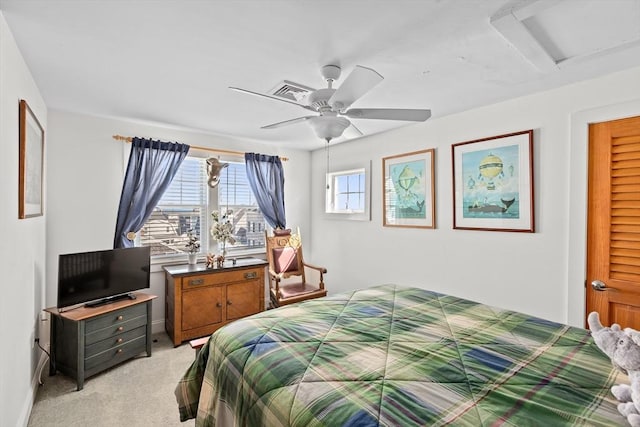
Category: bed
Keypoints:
(398, 356)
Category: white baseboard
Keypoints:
(25, 413)
(157, 326)
(23, 421)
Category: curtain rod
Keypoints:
(128, 139)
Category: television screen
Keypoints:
(89, 276)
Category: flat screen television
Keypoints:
(99, 277)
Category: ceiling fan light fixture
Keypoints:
(332, 103)
(329, 126)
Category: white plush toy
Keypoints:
(623, 348)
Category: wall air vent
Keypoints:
(290, 91)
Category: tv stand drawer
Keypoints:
(115, 318)
(114, 330)
(114, 341)
(115, 355)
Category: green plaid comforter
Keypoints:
(397, 356)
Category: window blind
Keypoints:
(182, 207)
(234, 193)
(188, 203)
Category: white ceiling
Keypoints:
(172, 62)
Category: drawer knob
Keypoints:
(121, 329)
(119, 318)
(229, 302)
(218, 304)
(119, 351)
(119, 340)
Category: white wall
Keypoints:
(22, 247)
(541, 273)
(86, 172)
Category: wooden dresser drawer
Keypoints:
(240, 275)
(111, 319)
(116, 329)
(114, 341)
(198, 280)
(115, 355)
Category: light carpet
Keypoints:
(138, 392)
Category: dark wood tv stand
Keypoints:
(88, 340)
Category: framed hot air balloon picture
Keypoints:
(493, 183)
(408, 190)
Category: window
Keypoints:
(187, 205)
(234, 194)
(348, 194)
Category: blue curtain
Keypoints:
(266, 179)
(152, 166)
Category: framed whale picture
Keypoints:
(408, 190)
(493, 183)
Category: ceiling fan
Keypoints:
(333, 104)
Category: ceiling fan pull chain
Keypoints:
(326, 149)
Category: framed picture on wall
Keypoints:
(493, 183)
(31, 158)
(408, 190)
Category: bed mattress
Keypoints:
(398, 356)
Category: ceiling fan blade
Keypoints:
(286, 122)
(352, 132)
(250, 92)
(412, 115)
(360, 81)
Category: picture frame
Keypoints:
(408, 190)
(493, 183)
(31, 163)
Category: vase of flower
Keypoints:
(193, 247)
(222, 231)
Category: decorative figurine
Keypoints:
(210, 259)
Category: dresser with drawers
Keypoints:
(199, 300)
(88, 340)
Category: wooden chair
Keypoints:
(287, 275)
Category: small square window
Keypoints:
(348, 194)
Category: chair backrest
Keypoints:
(284, 253)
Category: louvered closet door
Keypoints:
(613, 226)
